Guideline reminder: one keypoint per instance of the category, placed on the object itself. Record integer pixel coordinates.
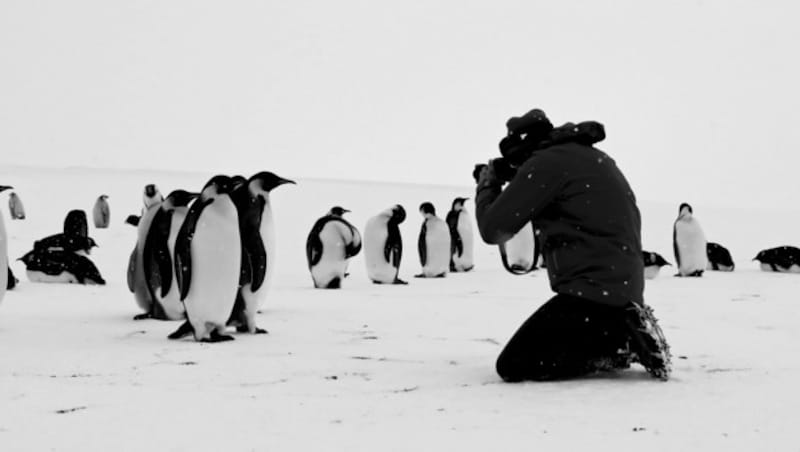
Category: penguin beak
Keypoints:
(287, 181)
(5, 187)
(345, 211)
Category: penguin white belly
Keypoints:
(651, 271)
(62, 278)
(171, 302)
(437, 243)
(216, 260)
(691, 243)
(375, 235)
(334, 236)
(465, 261)
(520, 248)
(3, 259)
(793, 269)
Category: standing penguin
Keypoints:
(257, 231)
(4, 269)
(719, 258)
(138, 280)
(158, 255)
(330, 244)
(383, 246)
(689, 243)
(101, 212)
(652, 263)
(461, 237)
(15, 207)
(208, 257)
(433, 244)
(520, 253)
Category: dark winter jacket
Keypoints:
(586, 212)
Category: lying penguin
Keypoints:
(784, 259)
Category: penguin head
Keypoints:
(398, 213)
(761, 256)
(151, 195)
(685, 209)
(426, 209)
(178, 198)
(458, 203)
(660, 261)
(217, 185)
(103, 197)
(5, 187)
(337, 211)
(266, 181)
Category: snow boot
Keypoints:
(647, 342)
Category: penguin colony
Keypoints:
(208, 257)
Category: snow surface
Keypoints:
(373, 367)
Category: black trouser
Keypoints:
(562, 339)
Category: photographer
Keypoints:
(590, 234)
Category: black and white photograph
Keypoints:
(399, 226)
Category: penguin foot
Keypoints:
(376, 282)
(245, 329)
(216, 337)
(146, 315)
(440, 275)
(184, 330)
(399, 281)
(421, 275)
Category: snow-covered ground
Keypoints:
(383, 367)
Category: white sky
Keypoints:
(699, 98)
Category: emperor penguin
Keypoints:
(15, 207)
(329, 246)
(158, 255)
(208, 257)
(652, 263)
(101, 213)
(61, 266)
(258, 247)
(719, 258)
(383, 246)
(4, 269)
(434, 244)
(784, 259)
(520, 253)
(138, 280)
(461, 237)
(689, 243)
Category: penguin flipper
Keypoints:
(157, 263)
(258, 264)
(422, 244)
(354, 247)
(456, 242)
(393, 249)
(675, 247)
(183, 254)
(314, 244)
(132, 270)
